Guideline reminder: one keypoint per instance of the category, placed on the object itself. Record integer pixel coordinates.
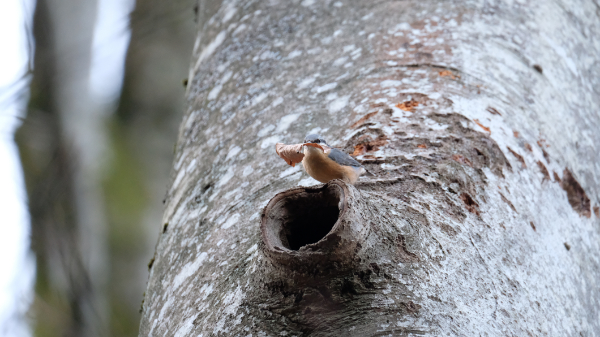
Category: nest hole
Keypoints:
(307, 217)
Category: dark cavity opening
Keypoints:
(309, 216)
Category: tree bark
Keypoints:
(478, 120)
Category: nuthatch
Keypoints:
(325, 166)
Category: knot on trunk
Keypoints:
(314, 226)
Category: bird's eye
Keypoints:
(317, 141)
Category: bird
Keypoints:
(329, 163)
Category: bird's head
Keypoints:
(315, 138)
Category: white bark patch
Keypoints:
(349, 48)
(205, 291)
(308, 182)
(267, 54)
(191, 119)
(316, 130)
(305, 83)
(256, 100)
(367, 17)
(239, 29)
(315, 51)
(391, 83)
(231, 221)
(233, 152)
(180, 161)
(226, 77)
(214, 93)
(286, 121)
(252, 249)
(226, 177)
(247, 170)
(324, 88)
(179, 177)
(210, 49)
(277, 101)
(196, 45)
(231, 302)
(191, 166)
(186, 327)
(163, 310)
(560, 51)
(331, 97)
(269, 142)
(338, 104)
(295, 53)
(340, 61)
(266, 130)
(187, 271)
(229, 14)
(289, 171)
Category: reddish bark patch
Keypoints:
(544, 170)
(532, 226)
(528, 147)
(576, 195)
(358, 150)
(567, 246)
(482, 126)
(516, 134)
(546, 155)
(363, 119)
(508, 203)
(556, 177)
(462, 159)
(408, 105)
(422, 146)
(470, 204)
(597, 211)
(448, 73)
(369, 145)
(518, 156)
(493, 111)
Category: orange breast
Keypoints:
(319, 166)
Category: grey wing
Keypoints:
(343, 158)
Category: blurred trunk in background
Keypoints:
(62, 145)
(95, 179)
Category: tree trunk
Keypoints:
(479, 121)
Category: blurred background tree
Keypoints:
(96, 171)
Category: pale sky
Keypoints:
(17, 266)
